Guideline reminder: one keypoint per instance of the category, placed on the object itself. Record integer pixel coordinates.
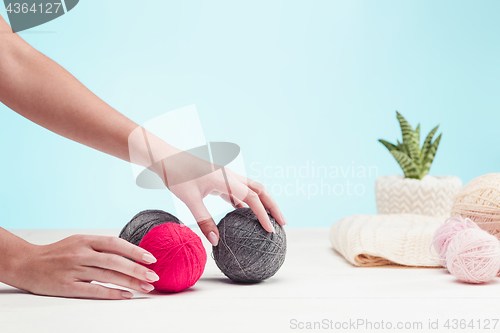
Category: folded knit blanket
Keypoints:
(376, 240)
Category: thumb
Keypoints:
(204, 220)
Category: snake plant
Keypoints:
(414, 161)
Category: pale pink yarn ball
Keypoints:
(445, 233)
(473, 256)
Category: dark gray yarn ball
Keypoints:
(246, 252)
(142, 223)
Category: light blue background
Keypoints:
(291, 82)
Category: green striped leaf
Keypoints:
(428, 142)
(388, 145)
(417, 143)
(400, 147)
(414, 148)
(411, 138)
(429, 157)
(403, 148)
(410, 169)
(406, 129)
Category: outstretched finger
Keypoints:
(116, 278)
(244, 193)
(122, 247)
(235, 202)
(204, 220)
(267, 200)
(92, 290)
(119, 264)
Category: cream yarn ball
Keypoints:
(479, 201)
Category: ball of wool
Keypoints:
(445, 233)
(142, 223)
(473, 256)
(479, 200)
(246, 252)
(180, 256)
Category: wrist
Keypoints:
(149, 151)
(16, 262)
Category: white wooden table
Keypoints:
(315, 287)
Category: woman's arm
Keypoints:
(44, 92)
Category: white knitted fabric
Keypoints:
(375, 240)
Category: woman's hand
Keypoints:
(191, 179)
(67, 267)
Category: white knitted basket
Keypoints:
(431, 196)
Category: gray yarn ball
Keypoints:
(246, 252)
(142, 223)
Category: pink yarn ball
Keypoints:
(473, 256)
(180, 256)
(445, 233)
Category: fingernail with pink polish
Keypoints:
(146, 286)
(148, 258)
(212, 238)
(272, 227)
(283, 218)
(127, 294)
(151, 276)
